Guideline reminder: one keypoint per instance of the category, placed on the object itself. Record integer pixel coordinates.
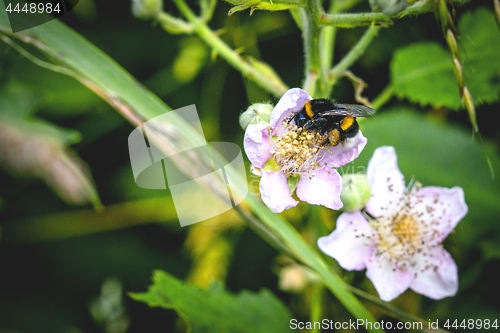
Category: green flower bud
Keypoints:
(146, 9)
(256, 113)
(355, 192)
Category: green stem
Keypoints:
(207, 8)
(382, 98)
(311, 34)
(353, 54)
(316, 305)
(327, 44)
(267, 80)
(172, 24)
(328, 35)
(349, 20)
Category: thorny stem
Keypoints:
(266, 80)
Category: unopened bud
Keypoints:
(355, 192)
(256, 113)
(146, 9)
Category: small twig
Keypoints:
(359, 86)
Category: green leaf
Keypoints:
(423, 72)
(42, 128)
(480, 38)
(36, 148)
(216, 310)
(18, 101)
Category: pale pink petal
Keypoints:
(435, 275)
(388, 280)
(256, 144)
(343, 153)
(386, 181)
(321, 187)
(440, 209)
(351, 243)
(274, 191)
(292, 101)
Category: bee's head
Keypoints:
(299, 118)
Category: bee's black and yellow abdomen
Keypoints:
(346, 123)
(349, 128)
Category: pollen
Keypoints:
(297, 150)
(404, 233)
(406, 230)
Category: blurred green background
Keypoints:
(58, 258)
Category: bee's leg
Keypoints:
(334, 137)
(321, 125)
(308, 124)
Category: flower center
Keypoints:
(406, 230)
(403, 234)
(297, 150)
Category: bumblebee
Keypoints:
(336, 121)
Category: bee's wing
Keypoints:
(350, 110)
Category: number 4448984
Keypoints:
(472, 324)
(34, 8)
